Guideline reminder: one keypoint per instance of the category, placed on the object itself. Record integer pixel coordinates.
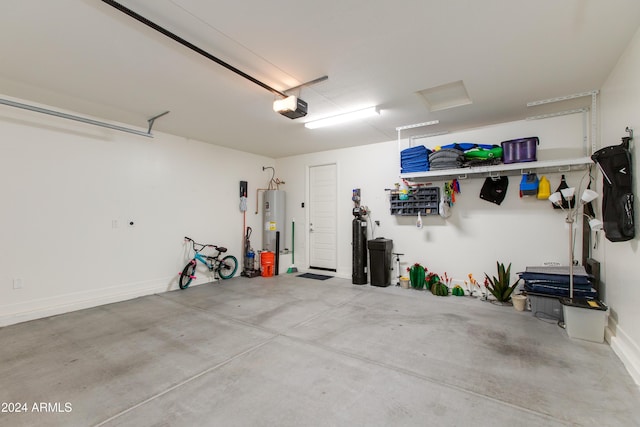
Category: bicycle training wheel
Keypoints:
(187, 273)
(228, 267)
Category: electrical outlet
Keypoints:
(114, 223)
(17, 283)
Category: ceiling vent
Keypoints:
(446, 96)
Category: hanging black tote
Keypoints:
(565, 202)
(617, 199)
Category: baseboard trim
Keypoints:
(627, 351)
(45, 307)
(343, 275)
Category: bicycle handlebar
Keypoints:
(194, 243)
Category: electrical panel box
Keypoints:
(425, 200)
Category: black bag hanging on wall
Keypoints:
(565, 202)
(617, 199)
(494, 189)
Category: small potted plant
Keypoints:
(501, 287)
(404, 282)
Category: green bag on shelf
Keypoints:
(483, 153)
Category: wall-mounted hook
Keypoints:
(626, 139)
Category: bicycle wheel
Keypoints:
(227, 267)
(187, 273)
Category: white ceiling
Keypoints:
(85, 56)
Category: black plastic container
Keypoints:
(380, 261)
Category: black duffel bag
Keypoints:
(617, 199)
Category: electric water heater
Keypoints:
(273, 216)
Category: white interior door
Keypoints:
(322, 217)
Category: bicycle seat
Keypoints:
(221, 249)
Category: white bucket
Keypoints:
(519, 302)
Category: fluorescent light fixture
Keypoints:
(287, 104)
(341, 118)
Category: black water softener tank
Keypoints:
(359, 249)
(380, 261)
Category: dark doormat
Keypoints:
(314, 276)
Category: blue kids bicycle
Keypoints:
(224, 268)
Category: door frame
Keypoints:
(307, 200)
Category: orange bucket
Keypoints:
(267, 262)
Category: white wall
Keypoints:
(63, 184)
(522, 231)
(620, 102)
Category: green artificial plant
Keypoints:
(431, 279)
(500, 287)
(416, 276)
(440, 289)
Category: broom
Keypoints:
(293, 268)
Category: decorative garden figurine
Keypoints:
(416, 276)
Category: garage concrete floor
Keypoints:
(289, 351)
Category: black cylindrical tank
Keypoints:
(359, 249)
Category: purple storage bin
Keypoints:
(520, 150)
